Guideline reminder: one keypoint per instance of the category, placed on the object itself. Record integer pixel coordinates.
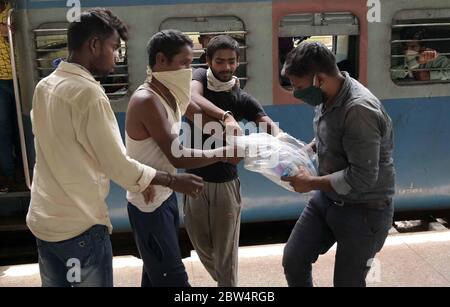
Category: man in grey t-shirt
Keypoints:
(354, 144)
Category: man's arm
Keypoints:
(361, 142)
(97, 131)
(3, 30)
(443, 63)
(148, 110)
(209, 109)
(272, 127)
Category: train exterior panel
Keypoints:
(420, 112)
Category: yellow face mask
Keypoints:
(178, 82)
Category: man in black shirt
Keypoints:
(213, 219)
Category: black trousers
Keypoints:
(359, 232)
(156, 237)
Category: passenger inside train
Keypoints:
(421, 62)
(9, 149)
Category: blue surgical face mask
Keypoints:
(311, 95)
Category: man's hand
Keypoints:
(422, 75)
(427, 56)
(149, 194)
(3, 29)
(188, 184)
(312, 146)
(300, 182)
(232, 127)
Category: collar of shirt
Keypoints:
(76, 69)
(341, 96)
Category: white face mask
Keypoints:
(178, 82)
(216, 85)
(411, 55)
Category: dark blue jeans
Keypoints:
(83, 261)
(156, 237)
(8, 128)
(359, 232)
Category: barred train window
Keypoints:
(202, 29)
(420, 47)
(51, 48)
(337, 30)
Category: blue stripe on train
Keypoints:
(44, 4)
(422, 158)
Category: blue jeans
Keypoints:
(83, 261)
(360, 233)
(156, 237)
(8, 128)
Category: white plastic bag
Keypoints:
(275, 157)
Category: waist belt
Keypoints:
(369, 205)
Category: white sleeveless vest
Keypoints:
(148, 152)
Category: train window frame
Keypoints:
(430, 20)
(54, 34)
(196, 26)
(337, 25)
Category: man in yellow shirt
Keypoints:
(8, 118)
(78, 150)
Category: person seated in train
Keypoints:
(352, 203)
(8, 115)
(204, 39)
(213, 219)
(420, 62)
(78, 150)
(154, 111)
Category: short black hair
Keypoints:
(169, 43)
(221, 42)
(95, 22)
(414, 33)
(310, 58)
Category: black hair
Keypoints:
(169, 43)
(95, 22)
(310, 58)
(221, 42)
(415, 33)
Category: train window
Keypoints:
(51, 48)
(337, 30)
(420, 47)
(202, 29)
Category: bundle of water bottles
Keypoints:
(275, 157)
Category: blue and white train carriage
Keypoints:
(369, 48)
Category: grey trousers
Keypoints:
(213, 224)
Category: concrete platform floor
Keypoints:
(417, 259)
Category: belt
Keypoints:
(369, 205)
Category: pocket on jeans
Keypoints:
(80, 249)
(376, 221)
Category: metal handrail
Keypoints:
(420, 69)
(18, 103)
(215, 33)
(403, 56)
(412, 25)
(420, 40)
(205, 64)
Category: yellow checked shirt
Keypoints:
(5, 60)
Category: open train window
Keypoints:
(202, 29)
(339, 31)
(420, 47)
(51, 48)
